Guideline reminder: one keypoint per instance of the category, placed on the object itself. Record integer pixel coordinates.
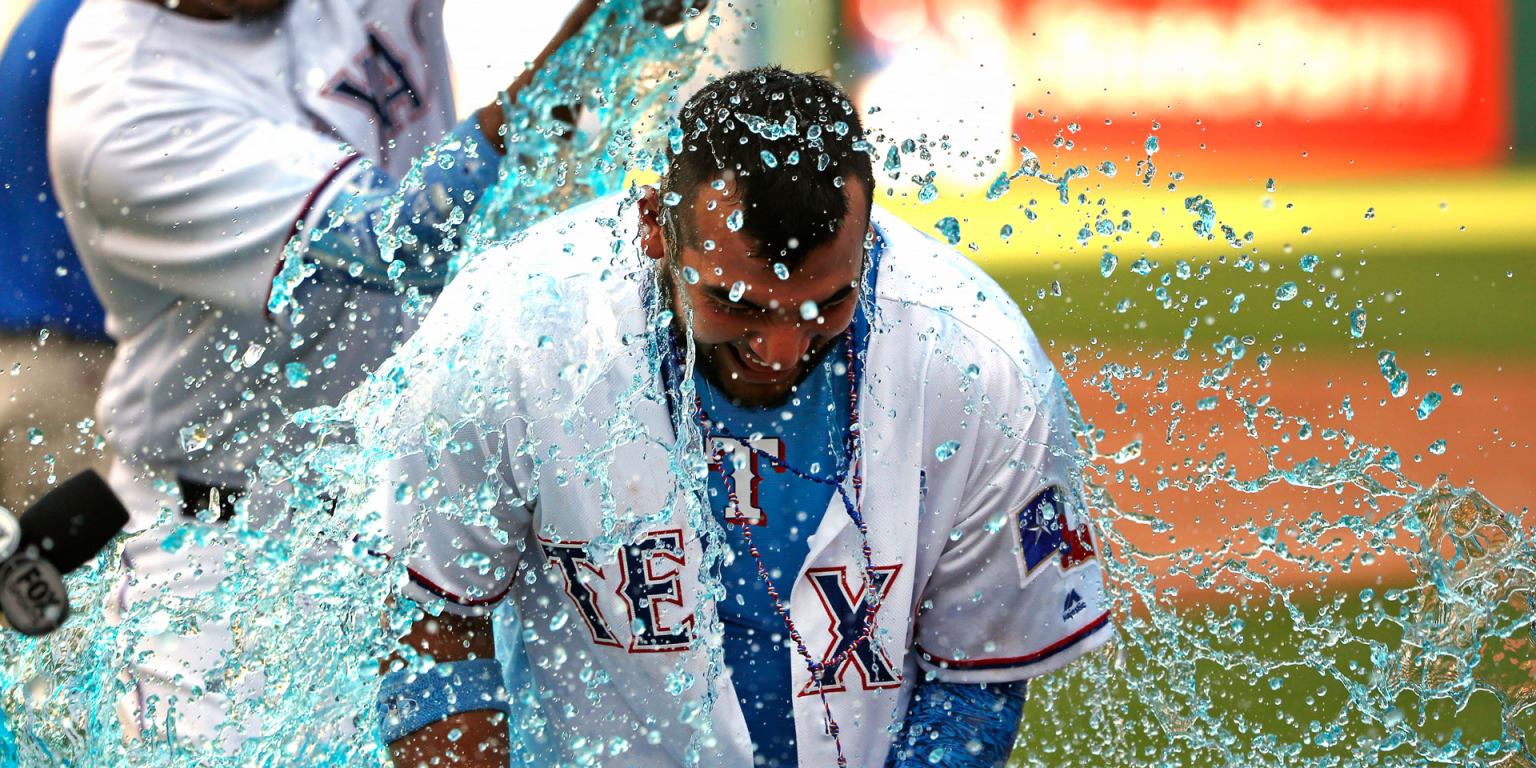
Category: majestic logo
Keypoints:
(378, 80)
(848, 611)
(1043, 532)
(1073, 605)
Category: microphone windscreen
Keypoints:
(72, 522)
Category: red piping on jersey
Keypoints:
(445, 594)
(304, 211)
(1016, 661)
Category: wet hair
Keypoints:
(789, 141)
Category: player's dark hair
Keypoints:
(790, 141)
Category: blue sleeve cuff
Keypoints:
(410, 701)
(470, 171)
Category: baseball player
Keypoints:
(769, 476)
(189, 143)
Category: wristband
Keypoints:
(410, 701)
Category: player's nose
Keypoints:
(781, 346)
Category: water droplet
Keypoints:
(738, 289)
(1437, 447)
(675, 139)
(34, 436)
(671, 198)
(1286, 291)
(1006, 232)
(1108, 169)
(1269, 186)
(194, 438)
(949, 227)
(690, 275)
(546, 342)
(928, 193)
(1357, 323)
(733, 222)
(809, 310)
(1427, 405)
(297, 375)
(999, 186)
(1370, 213)
(1151, 145)
(946, 451)
(768, 159)
(1309, 262)
(1107, 264)
(893, 163)
(1141, 266)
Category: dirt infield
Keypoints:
(1202, 529)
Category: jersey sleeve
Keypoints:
(456, 516)
(199, 199)
(1018, 590)
(454, 475)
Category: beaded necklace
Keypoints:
(848, 473)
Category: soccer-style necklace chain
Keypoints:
(851, 468)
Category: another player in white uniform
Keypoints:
(189, 142)
(556, 418)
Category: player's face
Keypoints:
(756, 347)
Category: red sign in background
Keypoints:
(1315, 87)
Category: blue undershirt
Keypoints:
(787, 510)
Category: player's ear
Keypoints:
(651, 235)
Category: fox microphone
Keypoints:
(65, 528)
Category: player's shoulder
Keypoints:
(929, 286)
(137, 58)
(559, 279)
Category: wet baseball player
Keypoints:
(770, 477)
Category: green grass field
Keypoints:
(1291, 675)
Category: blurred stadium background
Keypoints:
(1392, 140)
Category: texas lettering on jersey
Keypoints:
(746, 473)
(379, 81)
(650, 580)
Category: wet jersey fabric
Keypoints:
(531, 409)
(781, 510)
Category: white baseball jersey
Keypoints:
(184, 154)
(538, 459)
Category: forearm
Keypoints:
(492, 116)
(380, 231)
(469, 738)
(959, 725)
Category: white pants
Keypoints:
(173, 695)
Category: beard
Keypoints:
(706, 356)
